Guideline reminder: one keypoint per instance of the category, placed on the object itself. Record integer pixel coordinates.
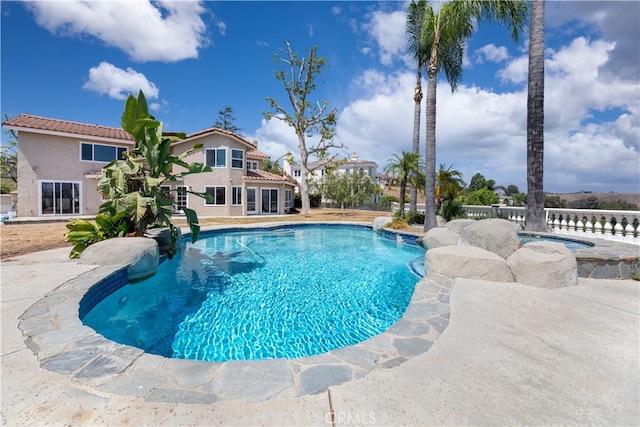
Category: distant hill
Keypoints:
(609, 197)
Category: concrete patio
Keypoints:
(511, 355)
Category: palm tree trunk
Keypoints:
(403, 190)
(535, 120)
(430, 150)
(417, 97)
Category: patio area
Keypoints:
(511, 354)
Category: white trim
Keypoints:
(277, 202)
(255, 201)
(214, 195)
(234, 189)
(53, 181)
(232, 159)
(93, 144)
(216, 157)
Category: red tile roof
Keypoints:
(260, 175)
(220, 130)
(259, 154)
(27, 121)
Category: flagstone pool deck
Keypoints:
(510, 354)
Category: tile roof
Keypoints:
(256, 153)
(28, 121)
(220, 130)
(260, 175)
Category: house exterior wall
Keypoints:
(227, 177)
(43, 157)
(54, 158)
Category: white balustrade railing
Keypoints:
(622, 226)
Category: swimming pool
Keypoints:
(264, 293)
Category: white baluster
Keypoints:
(580, 225)
(588, 226)
(628, 231)
(617, 230)
(608, 228)
(597, 228)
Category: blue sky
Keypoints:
(77, 61)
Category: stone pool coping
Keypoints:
(62, 344)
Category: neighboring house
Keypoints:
(59, 163)
(318, 168)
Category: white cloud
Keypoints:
(481, 130)
(516, 70)
(118, 83)
(389, 32)
(492, 53)
(159, 31)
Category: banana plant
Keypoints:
(133, 186)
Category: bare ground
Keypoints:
(20, 239)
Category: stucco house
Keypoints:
(59, 163)
(353, 164)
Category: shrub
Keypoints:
(386, 200)
(414, 217)
(452, 210)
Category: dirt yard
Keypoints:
(20, 239)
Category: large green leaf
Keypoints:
(194, 225)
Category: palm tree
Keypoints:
(445, 34)
(535, 120)
(415, 19)
(403, 169)
(449, 185)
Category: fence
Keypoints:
(620, 226)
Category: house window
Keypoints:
(236, 196)
(100, 152)
(218, 195)
(216, 157)
(237, 159)
(296, 172)
(269, 200)
(288, 199)
(59, 198)
(252, 165)
(181, 197)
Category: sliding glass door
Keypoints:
(59, 198)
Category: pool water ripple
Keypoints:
(286, 293)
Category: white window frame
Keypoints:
(93, 156)
(237, 159)
(236, 194)
(252, 165)
(270, 189)
(215, 187)
(54, 182)
(215, 150)
(288, 199)
(185, 195)
(256, 196)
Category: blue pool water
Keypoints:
(261, 294)
(568, 243)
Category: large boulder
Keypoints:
(438, 237)
(544, 265)
(469, 262)
(139, 254)
(496, 235)
(456, 225)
